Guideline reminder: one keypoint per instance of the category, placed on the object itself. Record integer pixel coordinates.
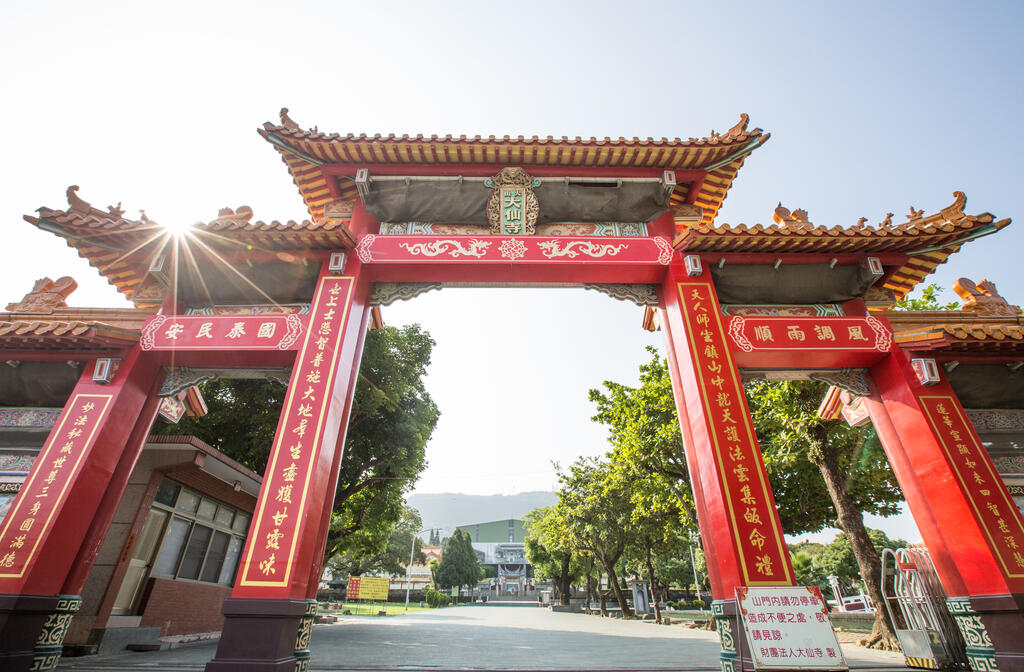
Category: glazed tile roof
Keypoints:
(122, 249)
(964, 338)
(72, 328)
(927, 240)
(306, 152)
(986, 323)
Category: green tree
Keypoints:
(597, 512)
(838, 559)
(392, 558)
(460, 565)
(929, 300)
(549, 552)
(659, 528)
(853, 475)
(648, 456)
(644, 429)
(391, 421)
(240, 421)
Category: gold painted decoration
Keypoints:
(512, 208)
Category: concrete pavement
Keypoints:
(483, 637)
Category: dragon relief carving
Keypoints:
(573, 249)
(983, 298)
(453, 248)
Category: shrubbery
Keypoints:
(437, 599)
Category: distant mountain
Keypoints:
(446, 510)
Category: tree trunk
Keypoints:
(613, 582)
(590, 586)
(563, 582)
(851, 520)
(653, 585)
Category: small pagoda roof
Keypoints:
(43, 321)
(122, 249)
(926, 240)
(986, 324)
(306, 152)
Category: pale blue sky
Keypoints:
(872, 107)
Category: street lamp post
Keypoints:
(408, 568)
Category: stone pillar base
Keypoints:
(993, 629)
(21, 620)
(302, 653)
(50, 644)
(259, 635)
(735, 655)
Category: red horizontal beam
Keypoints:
(795, 258)
(489, 170)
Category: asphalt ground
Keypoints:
(483, 638)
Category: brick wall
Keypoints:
(183, 607)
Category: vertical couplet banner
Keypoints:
(55, 469)
(763, 555)
(282, 508)
(981, 484)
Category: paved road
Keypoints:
(484, 637)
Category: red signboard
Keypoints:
(997, 514)
(221, 332)
(281, 512)
(56, 468)
(763, 554)
(803, 333)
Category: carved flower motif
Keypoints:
(512, 248)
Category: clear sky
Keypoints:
(872, 107)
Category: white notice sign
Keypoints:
(789, 628)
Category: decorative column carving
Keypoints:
(980, 652)
(302, 637)
(50, 644)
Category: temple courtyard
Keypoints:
(485, 637)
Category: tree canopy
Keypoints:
(549, 551)
(852, 475)
(929, 300)
(460, 565)
(392, 558)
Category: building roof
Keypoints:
(43, 321)
(713, 161)
(123, 249)
(925, 240)
(987, 323)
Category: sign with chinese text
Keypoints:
(803, 333)
(763, 556)
(368, 588)
(512, 207)
(281, 510)
(220, 332)
(788, 628)
(998, 516)
(43, 494)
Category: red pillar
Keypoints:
(64, 504)
(964, 512)
(281, 560)
(740, 528)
